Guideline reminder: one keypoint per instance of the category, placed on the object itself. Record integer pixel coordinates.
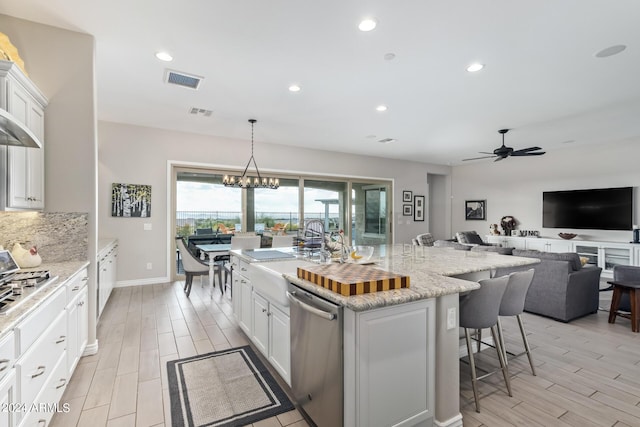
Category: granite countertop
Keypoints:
(430, 269)
(64, 270)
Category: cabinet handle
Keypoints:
(75, 288)
(40, 368)
(61, 339)
(243, 281)
(243, 269)
(43, 422)
(64, 382)
(5, 364)
(84, 279)
(264, 310)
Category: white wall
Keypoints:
(139, 155)
(61, 64)
(514, 186)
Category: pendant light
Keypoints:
(246, 181)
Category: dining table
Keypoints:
(214, 251)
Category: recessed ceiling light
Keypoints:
(164, 56)
(381, 108)
(387, 140)
(475, 67)
(610, 51)
(569, 141)
(294, 88)
(389, 56)
(370, 136)
(367, 24)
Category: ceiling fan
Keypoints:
(503, 152)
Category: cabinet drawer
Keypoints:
(7, 354)
(48, 401)
(75, 284)
(32, 327)
(36, 366)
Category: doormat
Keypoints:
(224, 388)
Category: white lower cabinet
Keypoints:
(245, 303)
(36, 366)
(8, 393)
(389, 365)
(8, 399)
(77, 310)
(271, 334)
(38, 356)
(107, 269)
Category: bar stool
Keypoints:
(512, 304)
(625, 287)
(479, 310)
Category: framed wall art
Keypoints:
(475, 210)
(407, 210)
(407, 196)
(130, 200)
(418, 208)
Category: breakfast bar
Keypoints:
(400, 346)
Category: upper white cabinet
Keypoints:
(25, 166)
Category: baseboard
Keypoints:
(141, 282)
(451, 422)
(90, 349)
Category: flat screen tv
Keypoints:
(596, 209)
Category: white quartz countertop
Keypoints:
(64, 271)
(431, 270)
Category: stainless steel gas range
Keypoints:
(18, 287)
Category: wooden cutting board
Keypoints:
(352, 279)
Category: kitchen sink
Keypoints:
(267, 279)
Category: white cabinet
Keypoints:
(262, 320)
(7, 399)
(548, 245)
(25, 166)
(241, 291)
(388, 351)
(606, 254)
(107, 270)
(8, 395)
(77, 319)
(271, 334)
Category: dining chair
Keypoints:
(282, 242)
(512, 304)
(245, 242)
(479, 310)
(194, 266)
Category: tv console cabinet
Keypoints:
(602, 254)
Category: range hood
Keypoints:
(12, 132)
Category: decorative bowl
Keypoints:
(361, 253)
(567, 236)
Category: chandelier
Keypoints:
(246, 181)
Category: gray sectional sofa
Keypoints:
(561, 289)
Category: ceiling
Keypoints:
(541, 76)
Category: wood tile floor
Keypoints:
(143, 327)
(588, 371)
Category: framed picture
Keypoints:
(407, 210)
(130, 200)
(475, 210)
(418, 208)
(407, 196)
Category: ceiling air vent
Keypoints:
(182, 79)
(200, 112)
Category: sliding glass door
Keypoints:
(362, 209)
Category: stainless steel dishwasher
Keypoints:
(316, 357)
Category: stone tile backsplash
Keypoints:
(58, 236)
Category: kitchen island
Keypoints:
(400, 347)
